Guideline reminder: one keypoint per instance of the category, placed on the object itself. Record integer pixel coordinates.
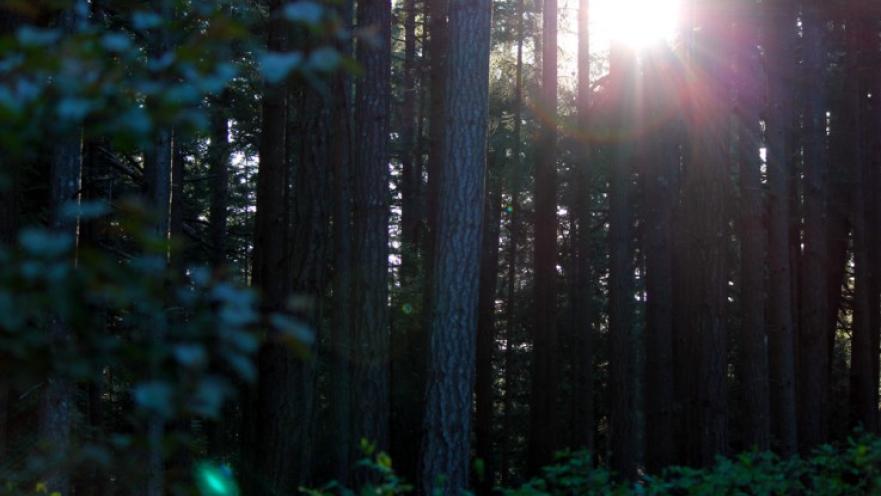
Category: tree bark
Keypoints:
(705, 243)
(582, 301)
(814, 351)
(625, 431)
(341, 326)
(371, 216)
(271, 441)
(446, 446)
(779, 35)
(660, 184)
(752, 359)
(863, 399)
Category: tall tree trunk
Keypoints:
(752, 359)
(779, 39)
(544, 419)
(341, 326)
(486, 326)
(436, 11)
(814, 351)
(660, 184)
(456, 258)
(271, 443)
(863, 400)
(625, 436)
(309, 209)
(582, 301)
(705, 229)
(371, 215)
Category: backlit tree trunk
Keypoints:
(456, 259)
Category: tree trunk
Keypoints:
(486, 327)
(863, 399)
(814, 351)
(371, 215)
(705, 230)
(660, 183)
(582, 301)
(341, 325)
(446, 446)
(625, 433)
(752, 359)
(272, 445)
(779, 41)
(544, 419)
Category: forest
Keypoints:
(440, 247)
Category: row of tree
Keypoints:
(670, 261)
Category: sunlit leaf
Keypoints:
(276, 66)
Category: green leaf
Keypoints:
(33, 36)
(276, 66)
(45, 243)
(146, 20)
(324, 59)
(304, 11)
(154, 397)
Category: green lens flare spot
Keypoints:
(215, 480)
(407, 308)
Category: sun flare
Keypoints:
(641, 23)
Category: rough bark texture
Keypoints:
(814, 343)
(486, 327)
(544, 412)
(779, 34)
(584, 317)
(446, 449)
(752, 345)
(371, 215)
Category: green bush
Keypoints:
(848, 469)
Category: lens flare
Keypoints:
(641, 23)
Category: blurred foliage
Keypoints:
(153, 342)
(121, 70)
(852, 468)
(181, 341)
